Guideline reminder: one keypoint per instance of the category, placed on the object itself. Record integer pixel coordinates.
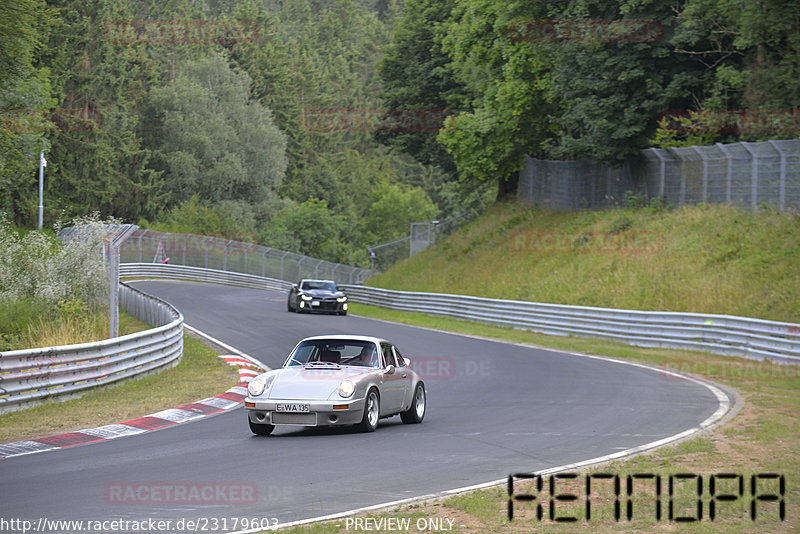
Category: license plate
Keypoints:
(297, 408)
(315, 303)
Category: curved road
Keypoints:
(493, 408)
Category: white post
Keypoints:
(42, 165)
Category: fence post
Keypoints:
(782, 194)
(264, 260)
(140, 245)
(283, 258)
(705, 172)
(753, 174)
(729, 173)
(662, 170)
(183, 249)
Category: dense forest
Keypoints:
(324, 126)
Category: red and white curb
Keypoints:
(227, 400)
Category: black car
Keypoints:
(317, 296)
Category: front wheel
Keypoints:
(416, 413)
(372, 410)
(261, 430)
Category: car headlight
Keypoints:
(346, 388)
(258, 385)
(341, 299)
(305, 297)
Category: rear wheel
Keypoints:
(372, 410)
(416, 413)
(261, 430)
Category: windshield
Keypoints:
(316, 284)
(342, 352)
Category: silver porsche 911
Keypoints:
(336, 380)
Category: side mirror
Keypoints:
(407, 361)
(294, 286)
(390, 369)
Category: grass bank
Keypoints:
(200, 374)
(704, 259)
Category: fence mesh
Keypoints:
(147, 246)
(421, 236)
(747, 174)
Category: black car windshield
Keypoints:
(315, 284)
(343, 352)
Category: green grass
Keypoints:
(200, 374)
(704, 259)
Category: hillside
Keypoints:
(709, 259)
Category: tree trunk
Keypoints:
(507, 186)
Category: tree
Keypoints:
(392, 211)
(215, 141)
(513, 106)
(24, 101)
(416, 73)
(309, 228)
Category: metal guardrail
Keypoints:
(32, 375)
(720, 334)
(213, 276)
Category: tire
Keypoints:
(260, 430)
(372, 411)
(416, 413)
(289, 306)
(342, 313)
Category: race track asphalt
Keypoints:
(493, 409)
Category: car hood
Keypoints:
(321, 293)
(300, 383)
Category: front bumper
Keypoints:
(321, 413)
(322, 306)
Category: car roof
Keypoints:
(316, 280)
(343, 337)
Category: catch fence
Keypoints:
(745, 174)
(208, 252)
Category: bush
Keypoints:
(37, 267)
